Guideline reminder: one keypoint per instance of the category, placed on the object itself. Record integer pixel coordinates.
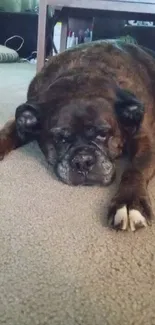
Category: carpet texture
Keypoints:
(59, 263)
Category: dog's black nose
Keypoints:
(83, 162)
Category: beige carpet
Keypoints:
(58, 264)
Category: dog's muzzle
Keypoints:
(83, 160)
(85, 165)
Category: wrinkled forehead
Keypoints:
(80, 114)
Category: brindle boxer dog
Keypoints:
(85, 108)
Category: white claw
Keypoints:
(133, 219)
(121, 218)
(136, 219)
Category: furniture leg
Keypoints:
(41, 34)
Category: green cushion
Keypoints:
(7, 54)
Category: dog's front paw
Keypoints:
(130, 212)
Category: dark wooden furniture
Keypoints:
(146, 7)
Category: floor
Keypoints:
(59, 263)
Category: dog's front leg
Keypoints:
(130, 207)
(24, 128)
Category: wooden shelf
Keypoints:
(142, 6)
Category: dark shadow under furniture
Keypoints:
(24, 24)
(107, 28)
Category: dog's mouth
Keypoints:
(85, 166)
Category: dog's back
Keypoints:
(91, 68)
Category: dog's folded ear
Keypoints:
(129, 111)
(27, 119)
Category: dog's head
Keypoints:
(82, 138)
(76, 143)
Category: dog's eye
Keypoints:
(103, 132)
(101, 138)
(61, 138)
(96, 133)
